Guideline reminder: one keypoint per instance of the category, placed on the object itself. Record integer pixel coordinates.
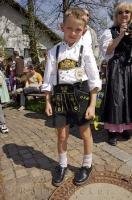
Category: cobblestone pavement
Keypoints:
(28, 154)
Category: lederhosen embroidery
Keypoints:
(65, 97)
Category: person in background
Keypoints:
(10, 74)
(90, 38)
(2, 64)
(4, 98)
(116, 46)
(32, 84)
(71, 67)
(19, 67)
(43, 62)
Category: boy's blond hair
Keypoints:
(78, 13)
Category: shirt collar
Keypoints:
(76, 44)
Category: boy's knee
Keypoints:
(62, 137)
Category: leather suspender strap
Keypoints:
(57, 54)
(80, 56)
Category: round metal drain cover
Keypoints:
(101, 191)
(100, 186)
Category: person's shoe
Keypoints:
(126, 135)
(112, 139)
(59, 175)
(21, 108)
(4, 129)
(82, 175)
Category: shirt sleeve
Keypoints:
(92, 71)
(105, 39)
(50, 72)
(39, 78)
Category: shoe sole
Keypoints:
(4, 132)
(112, 144)
(57, 184)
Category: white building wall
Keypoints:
(12, 20)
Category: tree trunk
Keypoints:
(31, 33)
(65, 5)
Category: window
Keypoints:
(9, 51)
(26, 53)
(42, 53)
(24, 29)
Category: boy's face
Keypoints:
(73, 29)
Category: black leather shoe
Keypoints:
(126, 135)
(82, 175)
(112, 139)
(58, 176)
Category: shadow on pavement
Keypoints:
(35, 115)
(28, 157)
(48, 121)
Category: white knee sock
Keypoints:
(63, 159)
(87, 160)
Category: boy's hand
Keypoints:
(48, 109)
(90, 113)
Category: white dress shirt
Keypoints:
(88, 66)
(87, 39)
(105, 39)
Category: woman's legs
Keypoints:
(2, 118)
(3, 127)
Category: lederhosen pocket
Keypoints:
(64, 99)
(83, 97)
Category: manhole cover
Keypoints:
(100, 186)
(101, 191)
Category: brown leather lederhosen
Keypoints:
(65, 97)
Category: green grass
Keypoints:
(35, 105)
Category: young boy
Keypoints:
(71, 72)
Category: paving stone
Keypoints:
(129, 163)
(10, 189)
(20, 173)
(42, 192)
(35, 172)
(125, 170)
(123, 156)
(8, 174)
(116, 152)
(98, 160)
